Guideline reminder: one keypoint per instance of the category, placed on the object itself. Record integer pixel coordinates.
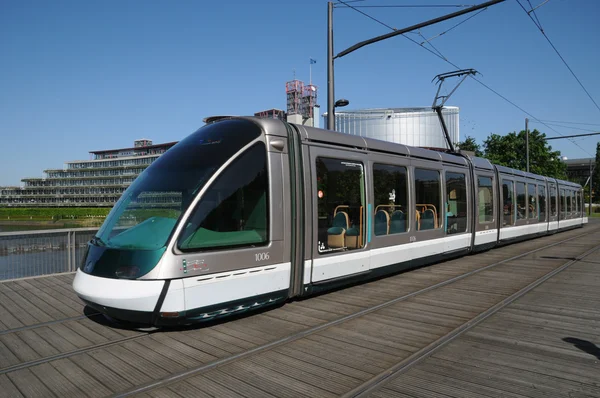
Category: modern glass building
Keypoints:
(98, 182)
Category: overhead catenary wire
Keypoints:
(457, 25)
(584, 124)
(539, 24)
(471, 76)
(559, 55)
(416, 6)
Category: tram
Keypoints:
(247, 212)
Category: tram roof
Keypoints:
(354, 141)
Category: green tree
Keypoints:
(596, 176)
(510, 151)
(469, 144)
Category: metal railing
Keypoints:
(32, 253)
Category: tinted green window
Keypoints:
(532, 202)
(485, 199)
(553, 201)
(563, 204)
(428, 199)
(542, 202)
(234, 209)
(521, 201)
(340, 205)
(456, 208)
(508, 207)
(391, 199)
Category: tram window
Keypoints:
(233, 212)
(509, 203)
(521, 201)
(563, 204)
(391, 201)
(485, 199)
(428, 199)
(340, 205)
(542, 202)
(532, 200)
(578, 204)
(553, 204)
(456, 206)
(569, 202)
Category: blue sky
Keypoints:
(77, 76)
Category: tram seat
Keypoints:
(352, 237)
(398, 222)
(337, 233)
(427, 220)
(382, 222)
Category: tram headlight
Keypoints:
(128, 272)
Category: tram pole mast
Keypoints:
(330, 92)
(396, 32)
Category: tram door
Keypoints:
(340, 214)
(486, 223)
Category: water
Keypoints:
(40, 254)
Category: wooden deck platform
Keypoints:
(517, 321)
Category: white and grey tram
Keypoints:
(249, 212)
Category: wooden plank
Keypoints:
(163, 393)
(60, 309)
(28, 384)
(37, 343)
(138, 362)
(120, 367)
(28, 307)
(434, 368)
(325, 363)
(518, 359)
(521, 379)
(369, 340)
(7, 388)
(445, 387)
(183, 348)
(274, 383)
(298, 308)
(54, 339)
(160, 360)
(200, 340)
(419, 320)
(7, 357)
(56, 382)
(85, 330)
(225, 339)
(302, 375)
(302, 320)
(219, 384)
(324, 375)
(185, 389)
(68, 334)
(18, 347)
(167, 352)
(15, 311)
(342, 353)
(106, 375)
(84, 381)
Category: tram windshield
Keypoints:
(148, 210)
